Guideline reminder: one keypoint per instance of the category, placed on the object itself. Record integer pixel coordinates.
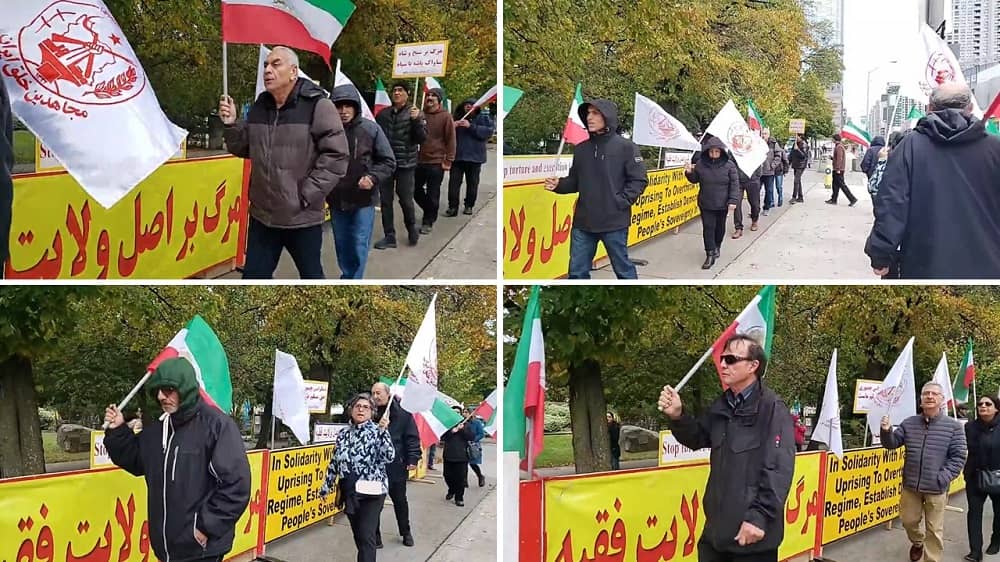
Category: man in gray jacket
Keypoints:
(296, 142)
(935, 455)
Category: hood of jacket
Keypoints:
(440, 96)
(460, 111)
(607, 108)
(303, 89)
(347, 93)
(951, 126)
(715, 142)
(177, 373)
(878, 141)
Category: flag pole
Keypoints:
(416, 86)
(272, 422)
(690, 373)
(130, 395)
(974, 399)
(225, 69)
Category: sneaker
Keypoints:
(425, 229)
(387, 242)
(459, 503)
(973, 557)
(853, 203)
(916, 552)
(451, 212)
(408, 540)
(832, 202)
(467, 210)
(449, 495)
(792, 201)
(764, 212)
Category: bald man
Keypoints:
(406, 442)
(937, 211)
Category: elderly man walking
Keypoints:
(935, 455)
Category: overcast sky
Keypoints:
(872, 31)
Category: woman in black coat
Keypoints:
(456, 460)
(718, 193)
(984, 454)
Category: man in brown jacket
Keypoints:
(437, 152)
(295, 140)
(839, 168)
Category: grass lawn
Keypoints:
(24, 153)
(54, 454)
(558, 451)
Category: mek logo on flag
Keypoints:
(76, 53)
(740, 139)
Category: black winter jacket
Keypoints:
(405, 440)
(939, 203)
(6, 171)
(798, 157)
(935, 451)
(718, 180)
(608, 173)
(201, 480)
(404, 134)
(370, 152)
(456, 444)
(749, 182)
(870, 159)
(752, 462)
(983, 441)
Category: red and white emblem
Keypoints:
(77, 52)
(740, 139)
(662, 127)
(939, 71)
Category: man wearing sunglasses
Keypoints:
(935, 455)
(752, 438)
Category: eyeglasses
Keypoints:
(362, 407)
(730, 359)
(985, 404)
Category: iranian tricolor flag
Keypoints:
(966, 377)
(489, 97)
(524, 399)
(201, 347)
(510, 98)
(433, 422)
(756, 321)
(754, 121)
(488, 411)
(992, 117)
(431, 83)
(382, 100)
(310, 25)
(575, 130)
(856, 134)
(914, 116)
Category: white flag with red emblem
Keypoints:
(652, 126)
(747, 147)
(75, 81)
(421, 386)
(928, 63)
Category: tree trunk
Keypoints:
(21, 452)
(264, 439)
(587, 411)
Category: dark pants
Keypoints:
(713, 228)
(707, 553)
(753, 196)
(768, 191)
(976, 499)
(264, 245)
(475, 468)
(456, 475)
(212, 559)
(402, 184)
(427, 191)
(397, 491)
(470, 171)
(352, 236)
(797, 188)
(840, 185)
(616, 460)
(583, 248)
(364, 526)
(430, 456)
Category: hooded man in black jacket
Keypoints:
(870, 159)
(352, 201)
(6, 171)
(194, 503)
(609, 175)
(937, 210)
(406, 442)
(752, 437)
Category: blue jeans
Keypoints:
(352, 235)
(768, 191)
(583, 248)
(779, 181)
(265, 243)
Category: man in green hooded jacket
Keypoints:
(195, 466)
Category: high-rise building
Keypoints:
(833, 11)
(975, 27)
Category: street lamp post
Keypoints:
(868, 87)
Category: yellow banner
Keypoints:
(293, 484)
(862, 490)
(95, 515)
(184, 218)
(611, 515)
(537, 223)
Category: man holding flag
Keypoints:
(406, 443)
(935, 455)
(406, 128)
(752, 437)
(193, 504)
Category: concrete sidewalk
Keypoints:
(442, 531)
(881, 543)
(462, 247)
(810, 240)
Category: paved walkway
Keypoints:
(811, 240)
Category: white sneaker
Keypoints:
(764, 212)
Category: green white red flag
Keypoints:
(524, 398)
(575, 130)
(433, 422)
(754, 120)
(965, 377)
(197, 343)
(856, 134)
(309, 25)
(382, 100)
(488, 411)
(510, 98)
(756, 321)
